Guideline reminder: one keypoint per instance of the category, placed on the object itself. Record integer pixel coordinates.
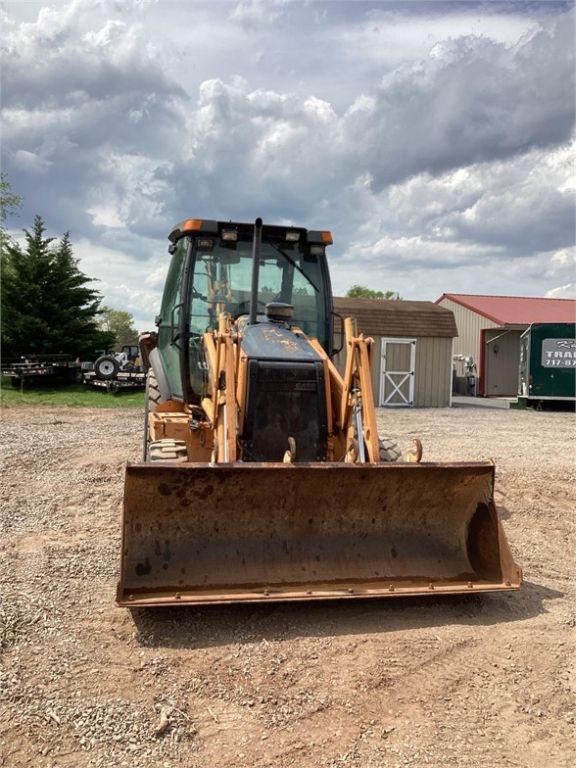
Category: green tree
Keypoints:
(9, 203)
(47, 306)
(362, 292)
(121, 324)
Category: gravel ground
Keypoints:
(462, 681)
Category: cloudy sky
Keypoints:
(435, 139)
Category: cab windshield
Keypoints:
(222, 283)
(222, 280)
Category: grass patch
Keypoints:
(68, 396)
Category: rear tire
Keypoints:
(389, 451)
(168, 450)
(106, 367)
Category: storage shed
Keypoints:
(489, 330)
(412, 354)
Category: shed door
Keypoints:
(397, 372)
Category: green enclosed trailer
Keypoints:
(547, 363)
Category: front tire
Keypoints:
(153, 400)
(168, 450)
(153, 396)
(389, 451)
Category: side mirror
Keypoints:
(337, 349)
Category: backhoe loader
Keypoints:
(263, 476)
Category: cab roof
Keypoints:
(213, 227)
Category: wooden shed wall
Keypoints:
(433, 371)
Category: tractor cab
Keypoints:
(211, 272)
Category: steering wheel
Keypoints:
(242, 311)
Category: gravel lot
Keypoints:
(462, 681)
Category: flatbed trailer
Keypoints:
(41, 368)
(123, 380)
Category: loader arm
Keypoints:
(353, 391)
(221, 355)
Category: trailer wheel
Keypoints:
(389, 451)
(168, 450)
(106, 367)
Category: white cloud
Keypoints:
(387, 36)
(137, 290)
(30, 162)
(105, 216)
(434, 145)
(567, 291)
(255, 13)
(524, 204)
(155, 279)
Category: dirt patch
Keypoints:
(471, 681)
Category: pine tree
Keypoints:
(47, 306)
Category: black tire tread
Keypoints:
(154, 396)
(389, 451)
(168, 450)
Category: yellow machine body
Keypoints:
(206, 522)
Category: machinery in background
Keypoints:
(116, 371)
(467, 383)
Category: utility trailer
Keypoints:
(547, 365)
(41, 369)
(115, 371)
(123, 380)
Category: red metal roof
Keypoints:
(517, 310)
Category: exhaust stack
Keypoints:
(255, 270)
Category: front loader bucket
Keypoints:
(195, 533)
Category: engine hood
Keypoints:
(274, 341)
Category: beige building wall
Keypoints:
(469, 324)
(502, 360)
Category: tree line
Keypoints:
(362, 292)
(48, 305)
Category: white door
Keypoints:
(397, 372)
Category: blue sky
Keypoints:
(434, 139)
